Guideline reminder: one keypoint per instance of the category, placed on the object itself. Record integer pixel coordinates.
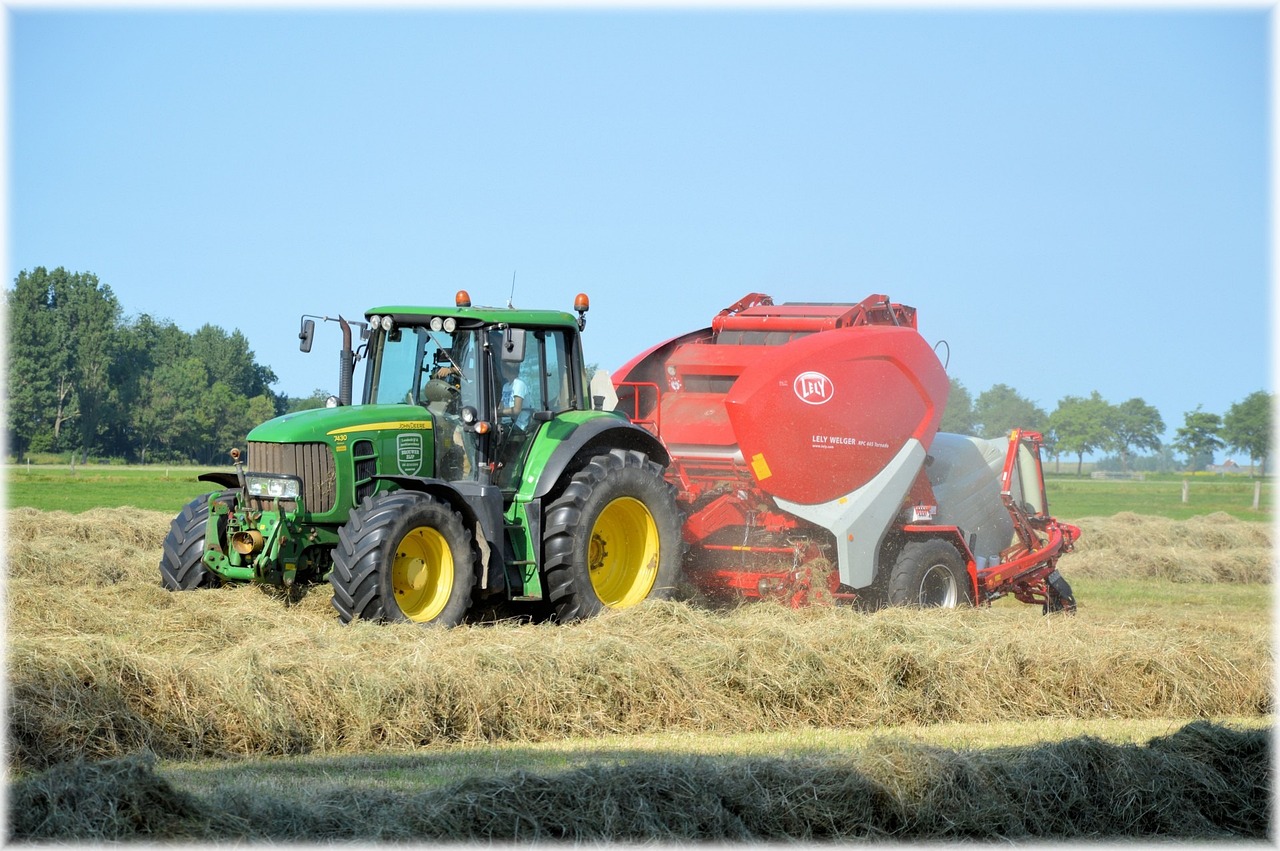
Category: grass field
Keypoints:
(158, 488)
(1070, 497)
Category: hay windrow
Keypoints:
(1210, 548)
(1203, 782)
(241, 675)
(100, 670)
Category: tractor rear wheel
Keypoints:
(182, 566)
(403, 556)
(930, 574)
(613, 538)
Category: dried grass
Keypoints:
(103, 663)
(1203, 782)
(1211, 548)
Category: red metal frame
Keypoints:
(1042, 540)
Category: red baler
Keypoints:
(804, 437)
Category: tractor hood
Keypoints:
(320, 424)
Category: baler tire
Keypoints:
(1059, 597)
(613, 538)
(930, 574)
(403, 556)
(182, 566)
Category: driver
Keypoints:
(514, 392)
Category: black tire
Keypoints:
(613, 537)
(930, 574)
(182, 566)
(403, 556)
(1058, 595)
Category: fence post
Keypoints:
(1257, 494)
(1184, 490)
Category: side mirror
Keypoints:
(513, 344)
(307, 334)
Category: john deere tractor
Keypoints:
(475, 467)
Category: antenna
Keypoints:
(510, 306)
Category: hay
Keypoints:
(105, 664)
(1210, 548)
(111, 800)
(1203, 782)
(234, 672)
(101, 546)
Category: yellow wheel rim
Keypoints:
(623, 553)
(422, 574)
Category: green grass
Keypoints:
(60, 488)
(435, 768)
(161, 488)
(1143, 598)
(1073, 498)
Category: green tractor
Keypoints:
(476, 470)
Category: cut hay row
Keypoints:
(1203, 782)
(120, 543)
(102, 662)
(1213, 548)
(233, 672)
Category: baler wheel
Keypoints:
(1058, 596)
(182, 566)
(930, 574)
(612, 538)
(403, 556)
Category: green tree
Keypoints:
(30, 375)
(1247, 426)
(1080, 425)
(62, 344)
(1198, 438)
(230, 360)
(171, 415)
(1134, 425)
(958, 416)
(317, 399)
(1001, 409)
(146, 344)
(88, 318)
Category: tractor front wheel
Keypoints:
(182, 566)
(612, 538)
(930, 574)
(403, 556)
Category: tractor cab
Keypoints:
(490, 378)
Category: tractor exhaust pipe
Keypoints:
(346, 364)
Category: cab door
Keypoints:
(533, 384)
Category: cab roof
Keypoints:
(487, 315)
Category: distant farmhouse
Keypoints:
(1229, 466)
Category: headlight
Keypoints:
(437, 323)
(273, 487)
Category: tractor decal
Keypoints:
(409, 453)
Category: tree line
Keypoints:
(1082, 425)
(84, 378)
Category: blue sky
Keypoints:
(1074, 200)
